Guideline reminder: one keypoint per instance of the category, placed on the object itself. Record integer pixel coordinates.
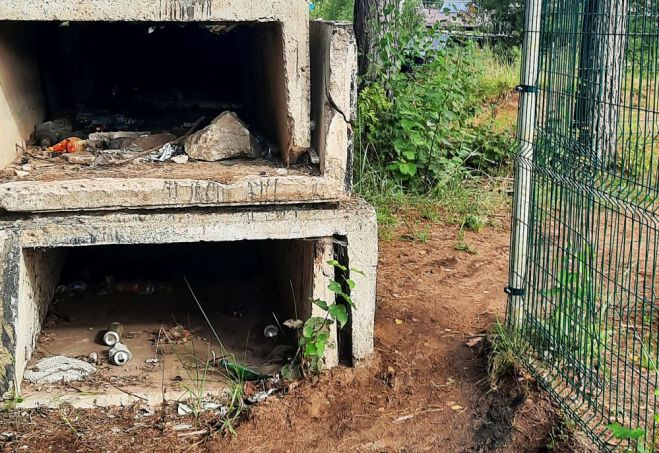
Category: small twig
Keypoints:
(156, 148)
(128, 393)
(193, 433)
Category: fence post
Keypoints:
(523, 169)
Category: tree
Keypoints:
(370, 25)
(601, 71)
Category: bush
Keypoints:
(419, 124)
(332, 9)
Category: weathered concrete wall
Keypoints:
(293, 16)
(10, 260)
(333, 97)
(21, 101)
(39, 274)
(354, 220)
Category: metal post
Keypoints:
(524, 159)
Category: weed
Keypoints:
(474, 223)
(12, 400)
(503, 359)
(314, 333)
(462, 246)
(419, 234)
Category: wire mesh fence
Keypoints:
(583, 278)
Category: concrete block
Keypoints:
(333, 86)
(34, 248)
(287, 70)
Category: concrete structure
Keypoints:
(305, 82)
(283, 100)
(285, 52)
(32, 252)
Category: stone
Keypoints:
(80, 158)
(59, 368)
(225, 137)
(180, 159)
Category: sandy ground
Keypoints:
(425, 389)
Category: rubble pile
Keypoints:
(98, 139)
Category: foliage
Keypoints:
(314, 333)
(332, 9)
(418, 125)
(503, 358)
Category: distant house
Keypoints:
(450, 13)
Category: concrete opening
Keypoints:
(142, 76)
(71, 295)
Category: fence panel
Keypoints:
(585, 240)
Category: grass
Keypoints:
(503, 359)
(498, 77)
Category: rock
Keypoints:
(181, 159)
(183, 409)
(51, 370)
(21, 173)
(80, 158)
(225, 137)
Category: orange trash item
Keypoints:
(69, 145)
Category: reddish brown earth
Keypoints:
(424, 390)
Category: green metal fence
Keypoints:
(583, 280)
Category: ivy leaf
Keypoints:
(348, 299)
(321, 303)
(335, 287)
(338, 265)
(307, 332)
(350, 283)
(310, 349)
(340, 314)
(353, 269)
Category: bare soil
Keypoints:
(425, 389)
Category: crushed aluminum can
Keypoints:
(120, 354)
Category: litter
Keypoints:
(74, 287)
(119, 354)
(68, 145)
(270, 331)
(240, 372)
(261, 396)
(167, 152)
(55, 369)
(51, 132)
(113, 334)
(185, 409)
(139, 288)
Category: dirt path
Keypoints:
(425, 389)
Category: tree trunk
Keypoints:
(369, 24)
(601, 73)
